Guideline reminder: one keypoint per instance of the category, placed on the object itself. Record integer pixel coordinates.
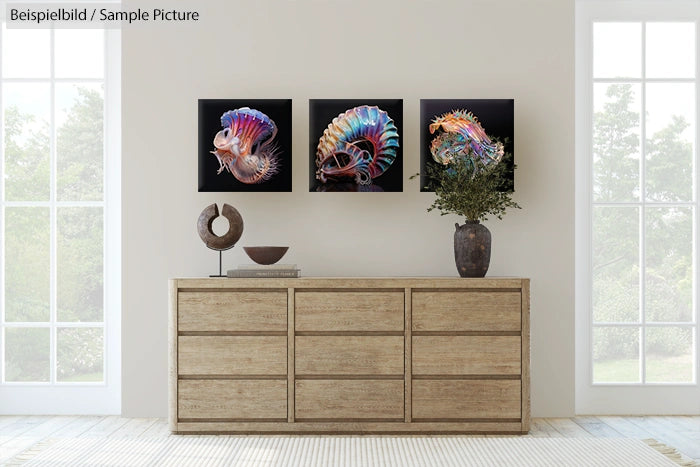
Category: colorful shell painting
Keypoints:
(462, 135)
(359, 144)
(246, 147)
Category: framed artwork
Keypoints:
(355, 145)
(245, 145)
(453, 125)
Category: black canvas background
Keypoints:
(210, 112)
(323, 111)
(495, 115)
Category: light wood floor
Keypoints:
(18, 433)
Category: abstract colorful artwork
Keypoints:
(355, 145)
(479, 128)
(245, 145)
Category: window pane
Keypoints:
(79, 354)
(669, 265)
(89, 63)
(616, 142)
(27, 354)
(615, 355)
(670, 136)
(79, 251)
(615, 264)
(26, 53)
(26, 130)
(27, 264)
(617, 50)
(670, 50)
(669, 355)
(79, 145)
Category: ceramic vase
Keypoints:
(472, 249)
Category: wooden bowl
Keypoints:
(265, 254)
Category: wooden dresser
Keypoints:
(350, 355)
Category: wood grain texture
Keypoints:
(232, 311)
(348, 355)
(355, 350)
(407, 354)
(569, 428)
(351, 283)
(466, 355)
(456, 399)
(525, 354)
(349, 399)
(349, 311)
(597, 428)
(466, 311)
(291, 319)
(172, 354)
(212, 399)
(106, 426)
(232, 355)
(348, 428)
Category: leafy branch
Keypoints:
(469, 188)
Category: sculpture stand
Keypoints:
(220, 271)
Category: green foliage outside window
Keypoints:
(79, 247)
(616, 263)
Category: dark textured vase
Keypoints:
(472, 249)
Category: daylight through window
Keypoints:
(643, 202)
(52, 212)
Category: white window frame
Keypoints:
(623, 398)
(78, 398)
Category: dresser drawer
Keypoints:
(466, 311)
(349, 311)
(232, 311)
(349, 355)
(349, 399)
(232, 355)
(464, 399)
(232, 399)
(466, 355)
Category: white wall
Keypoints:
(341, 49)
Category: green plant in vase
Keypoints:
(470, 177)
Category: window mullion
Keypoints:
(590, 201)
(660, 204)
(64, 324)
(59, 204)
(649, 325)
(52, 216)
(642, 212)
(640, 80)
(56, 80)
(106, 95)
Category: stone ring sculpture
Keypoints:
(223, 242)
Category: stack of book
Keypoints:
(260, 270)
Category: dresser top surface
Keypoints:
(353, 282)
